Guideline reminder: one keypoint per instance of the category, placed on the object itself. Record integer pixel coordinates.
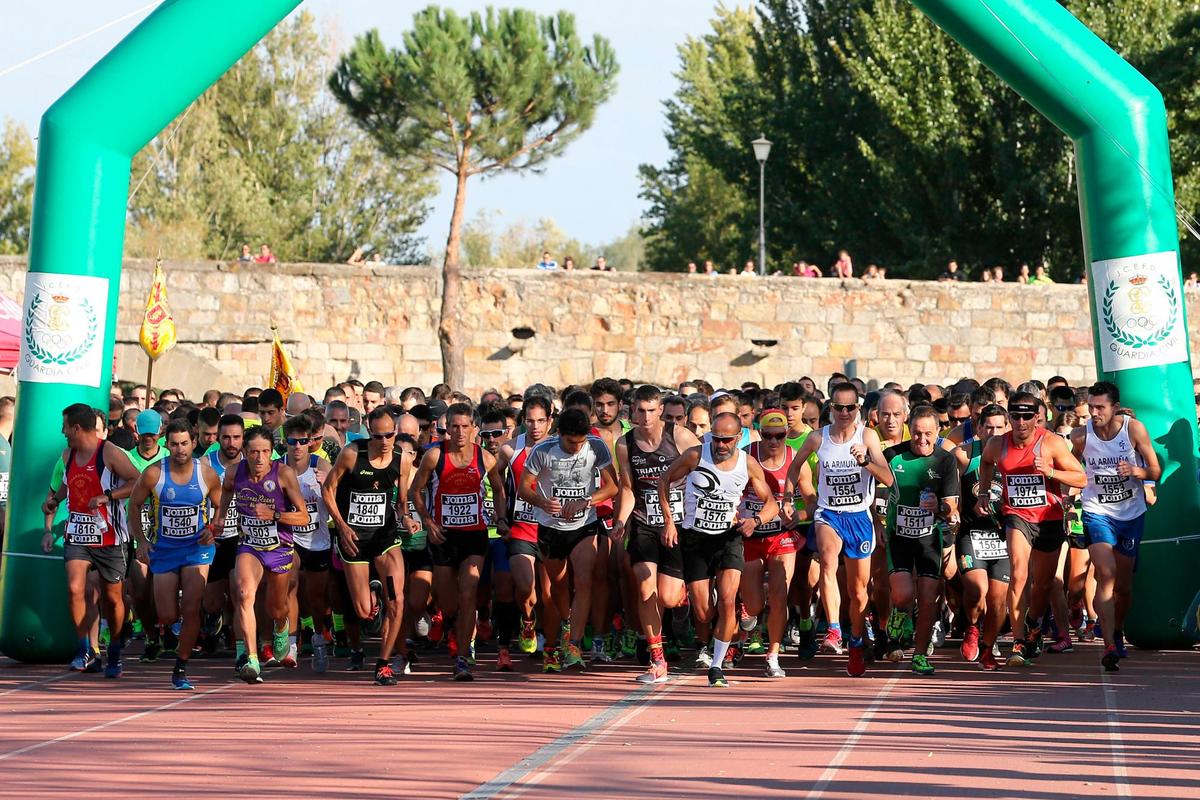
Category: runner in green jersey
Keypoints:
(926, 487)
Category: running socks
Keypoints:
(656, 648)
(719, 650)
(239, 648)
(279, 642)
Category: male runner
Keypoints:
(982, 551)
(925, 486)
(523, 552)
(1033, 465)
(717, 474)
(559, 481)
(891, 411)
(803, 413)
(180, 489)
(148, 451)
(643, 455)
(99, 476)
(1113, 448)
(674, 411)
(361, 493)
(217, 598)
(850, 462)
(454, 470)
(496, 583)
(606, 410)
(772, 546)
(269, 502)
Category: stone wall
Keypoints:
(380, 323)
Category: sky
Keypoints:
(591, 191)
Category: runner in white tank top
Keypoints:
(850, 462)
(1117, 458)
(717, 473)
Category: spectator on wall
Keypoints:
(265, 256)
(547, 263)
(997, 274)
(843, 267)
(1023, 274)
(710, 269)
(602, 265)
(247, 255)
(1041, 276)
(803, 269)
(951, 273)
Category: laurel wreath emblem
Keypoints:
(70, 356)
(1131, 339)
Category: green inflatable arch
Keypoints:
(88, 138)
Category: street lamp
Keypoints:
(762, 149)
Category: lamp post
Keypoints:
(762, 149)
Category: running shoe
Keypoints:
(716, 678)
(462, 670)
(504, 661)
(895, 653)
(921, 665)
(1097, 632)
(552, 661)
(1075, 618)
(250, 670)
(970, 644)
(1085, 633)
(1018, 656)
(484, 630)
(656, 673)
(612, 645)
(320, 656)
(856, 665)
(671, 651)
(471, 653)
(82, 660)
(628, 643)
(808, 640)
(423, 626)
(290, 661)
(754, 644)
(541, 646)
(791, 635)
(987, 660)
(150, 652)
(384, 675)
(642, 652)
(1034, 645)
(1062, 644)
(1111, 660)
(95, 665)
(437, 627)
(746, 622)
(358, 660)
(572, 657)
(833, 642)
(527, 643)
(452, 643)
(410, 660)
(1119, 643)
(704, 657)
(113, 667)
(773, 670)
(881, 646)
(599, 655)
(180, 683)
(939, 634)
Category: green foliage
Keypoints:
(890, 140)
(16, 188)
(267, 155)
(491, 92)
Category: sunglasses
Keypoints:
(491, 434)
(1024, 416)
(293, 442)
(725, 439)
(774, 437)
(441, 431)
(1061, 409)
(379, 437)
(958, 420)
(845, 408)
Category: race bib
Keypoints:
(881, 500)
(913, 522)
(311, 527)
(565, 495)
(713, 515)
(522, 511)
(767, 528)
(654, 512)
(367, 509)
(229, 528)
(844, 490)
(460, 510)
(261, 534)
(179, 522)
(1026, 491)
(147, 522)
(86, 530)
(1113, 489)
(988, 545)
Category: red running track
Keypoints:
(1058, 730)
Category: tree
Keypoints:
(501, 91)
(267, 155)
(16, 188)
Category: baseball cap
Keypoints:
(149, 421)
(772, 418)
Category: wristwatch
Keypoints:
(108, 494)
(275, 516)
(757, 520)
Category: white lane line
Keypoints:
(852, 740)
(111, 723)
(532, 765)
(1116, 743)
(42, 682)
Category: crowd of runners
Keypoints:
(671, 529)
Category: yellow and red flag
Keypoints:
(283, 374)
(158, 327)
